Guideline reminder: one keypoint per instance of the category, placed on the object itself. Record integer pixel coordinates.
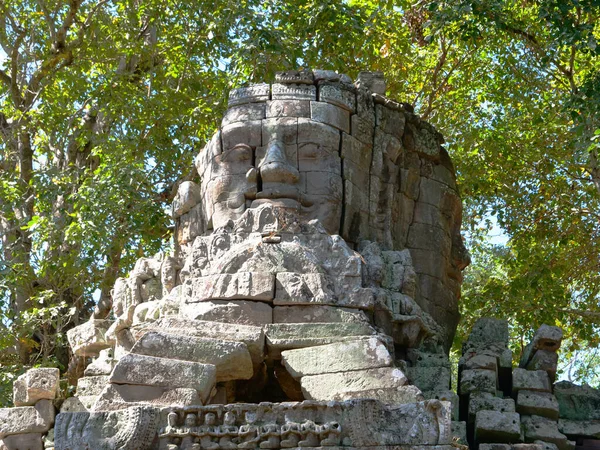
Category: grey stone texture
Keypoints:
(537, 403)
(34, 385)
(580, 428)
(531, 380)
(537, 428)
(231, 359)
(29, 441)
(485, 401)
(359, 354)
(347, 385)
(577, 402)
(478, 381)
(153, 371)
(27, 419)
(495, 426)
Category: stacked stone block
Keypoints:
(532, 389)
(23, 427)
(579, 411)
(483, 374)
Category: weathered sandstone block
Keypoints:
(152, 371)
(496, 426)
(27, 419)
(89, 338)
(534, 403)
(337, 357)
(532, 380)
(232, 359)
(344, 385)
(34, 385)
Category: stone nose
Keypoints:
(275, 167)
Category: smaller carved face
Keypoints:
(172, 418)
(210, 419)
(190, 420)
(229, 418)
(250, 417)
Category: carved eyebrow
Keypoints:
(234, 151)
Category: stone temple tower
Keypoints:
(311, 299)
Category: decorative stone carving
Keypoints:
(129, 429)
(359, 423)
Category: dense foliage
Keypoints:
(105, 103)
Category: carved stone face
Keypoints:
(210, 419)
(190, 420)
(297, 166)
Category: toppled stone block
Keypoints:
(577, 402)
(421, 358)
(429, 378)
(231, 359)
(389, 396)
(478, 381)
(89, 338)
(480, 361)
(91, 385)
(484, 401)
(344, 385)
(29, 441)
(241, 285)
(78, 404)
(531, 380)
(496, 426)
(547, 338)
(533, 403)
(34, 385)
(239, 311)
(580, 428)
(538, 428)
(538, 445)
(488, 330)
(27, 419)
(495, 446)
(344, 356)
(252, 336)
(544, 360)
(121, 396)
(152, 371)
